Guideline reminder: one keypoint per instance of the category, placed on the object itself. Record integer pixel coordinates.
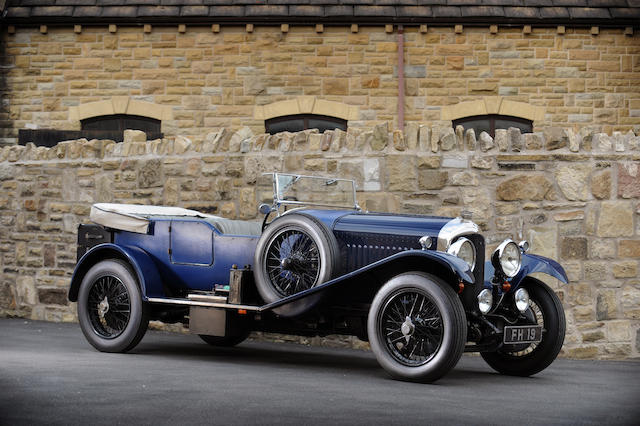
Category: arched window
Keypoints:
(299, 122)
(114, 125)
(490, 122)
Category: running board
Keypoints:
(204, 302)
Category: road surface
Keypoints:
(50, 374)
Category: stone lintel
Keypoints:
(492, 105)
(306, 105)
(120, 105)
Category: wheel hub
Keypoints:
(407, 328)
(286, 263)
(103, 307)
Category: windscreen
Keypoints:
(292, 189)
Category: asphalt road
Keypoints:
(50, 374)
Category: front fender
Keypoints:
(531, 263)
(141, 263)
(452, 266)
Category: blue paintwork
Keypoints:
(381, 223)
(327, 217)
(205, 256)
(455, 265)
(531, 263)
(182, 254)
(189, 272)
(141, 262)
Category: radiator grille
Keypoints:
(365, 248)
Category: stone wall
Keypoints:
(216, 79)
(574, 196)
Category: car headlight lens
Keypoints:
(507, 258)
(485, 301)
(521, 298)
(465, 250)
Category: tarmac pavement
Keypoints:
(49, 374)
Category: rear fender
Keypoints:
(450, 268)
(531, 263)
(139, 261)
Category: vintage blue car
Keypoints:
(416, 287)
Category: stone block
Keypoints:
(455, 161)
(486, 141)
(150, 174)
(573, 181)
(534, 141)
(501, 139)
(573, 248)
(602, 249)
(380, 137)
(448, 140)
(470, 139)
(26, 293)
(629, 248)
(411, 135)
(629, 180)
(606, 305)
(524, 187)
(401, 173)
(581, 352)
(398, 141)
(425, 138)
(52, 296)
(601, 185)
(592, 336)
(630, 302)
(602, 142)
(556, 138)
(616, 219)
(484, 163)
(625, 269)
(432, 179)
(543, 242)
(428, 162)
(464, 179)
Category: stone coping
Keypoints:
(415, 139)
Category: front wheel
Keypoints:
(112, 315)
(417, 327)
(546, 310)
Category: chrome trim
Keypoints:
(453, 229)
(496, 258)
(454, 249)
(203, 304)
(425, 242)
(481, 296)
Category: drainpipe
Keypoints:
(401, 78)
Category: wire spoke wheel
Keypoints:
(545, 309)
(295, 253)
(109, 306)
(417, 327)
(292, 262)
(411, 327)
(523, 350)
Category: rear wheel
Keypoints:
(417, 327)
(525, 360)
(112, 315)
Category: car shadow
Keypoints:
(336, 360)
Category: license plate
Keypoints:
(522, 334)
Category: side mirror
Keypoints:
(265, 208)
